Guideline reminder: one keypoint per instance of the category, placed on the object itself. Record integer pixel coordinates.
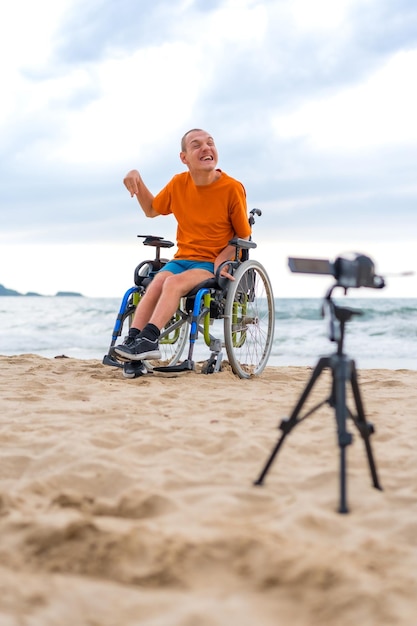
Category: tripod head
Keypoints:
(338, 316)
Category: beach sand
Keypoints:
(127, 502)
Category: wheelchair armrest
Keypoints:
(242, 243)
(146, 270)
(142, 281)
(156, 241)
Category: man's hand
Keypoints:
(224, 273)
(132, 181)
(136, 187)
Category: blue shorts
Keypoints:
(179, 266)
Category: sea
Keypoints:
(382, 335)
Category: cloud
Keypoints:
(373, 113)
(312, 106)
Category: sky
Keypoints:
(312, 106)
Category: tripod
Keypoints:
(343, 371)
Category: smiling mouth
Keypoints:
(206, 158)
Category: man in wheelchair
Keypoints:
(210, 209)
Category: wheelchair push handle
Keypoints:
(252, 214)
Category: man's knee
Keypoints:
(170, 281)
(159, 280)
(173, 285)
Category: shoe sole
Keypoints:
(138, 375)
(129, 375)
(152, 354)
(135, 374)
(122, 356)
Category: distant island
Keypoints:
(12, 292)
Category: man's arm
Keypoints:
(226, 255)
(136, 187)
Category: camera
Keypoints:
(350, 270)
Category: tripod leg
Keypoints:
(340, 369)
(260, 479)
(365, 428)
(288, 424)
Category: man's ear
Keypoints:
(183, 157)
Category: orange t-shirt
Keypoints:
(208, 216)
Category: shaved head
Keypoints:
(184, 139)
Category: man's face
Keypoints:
(200, 153)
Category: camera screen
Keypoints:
(310, 266)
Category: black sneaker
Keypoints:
(134, 369)
(129, 342)
(141, 348)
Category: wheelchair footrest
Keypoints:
(185, 366)
(214, 364)
(110, 360)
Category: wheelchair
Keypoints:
(244, 308)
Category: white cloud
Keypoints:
(73, 117)
(26, 40)
(137, 97)
(237, 21)
(319, 15)
(377, 112)
(114, 109)
(27, 30)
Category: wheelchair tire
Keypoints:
(249, 320)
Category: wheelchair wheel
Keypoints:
(249, 320)
(173, 337)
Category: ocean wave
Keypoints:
(385, 333)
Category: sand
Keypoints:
(126, 502)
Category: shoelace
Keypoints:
(128, 341)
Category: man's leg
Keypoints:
(143, 312)
(149, 300)
(174, 286)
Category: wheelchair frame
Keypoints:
(246, 306)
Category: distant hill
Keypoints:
(12, 292)
(8, 292)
